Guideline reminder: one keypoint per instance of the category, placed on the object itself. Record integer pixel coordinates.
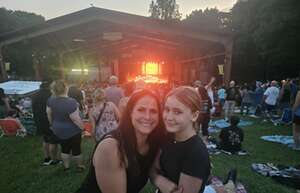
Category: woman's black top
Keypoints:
(189, 157)
(135, 181)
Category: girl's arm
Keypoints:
(189, 184)
(110, 172)
(161, 182)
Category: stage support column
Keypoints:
(3, 74)
(37, 66)
(228, 62)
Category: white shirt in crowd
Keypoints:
(272, 94)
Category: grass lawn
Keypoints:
(21, 172)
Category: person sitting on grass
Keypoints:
(231, 137)
(12, 125)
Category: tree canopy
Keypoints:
(11, 20)
(19, 55)
(266, 38)
(165, 10)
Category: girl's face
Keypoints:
(177, 116)
(145, 115)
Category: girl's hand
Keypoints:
(179, 189)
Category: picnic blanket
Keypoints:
(217, 182)
(287, 175)
(282, 139)
(216, 125)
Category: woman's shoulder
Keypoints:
(108, 144)
(108, 150)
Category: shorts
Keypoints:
(229, 105)
(72, 144)
(296, 120)
(50, 138)
(270, 108)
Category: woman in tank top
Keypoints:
(122, 159)
(104, 116)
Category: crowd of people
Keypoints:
(149, 131)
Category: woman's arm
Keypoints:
(110, 172)
(76, 118)
(48, 110)
(297, 101)
(161, 182)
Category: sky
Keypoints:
(54, 8)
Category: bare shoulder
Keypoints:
(107, 151)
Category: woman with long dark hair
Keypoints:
(122, 159)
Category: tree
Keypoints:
(165, 10)
(12, 20)
(209, 19)
(18, 55)
(266, 37)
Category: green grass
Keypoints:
(21, 171)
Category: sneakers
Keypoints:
(55, 162)
(47, 162)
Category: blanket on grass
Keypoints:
(282, 139)
(217, 125)
(287, 175)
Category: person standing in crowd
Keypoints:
(209, 89)
(104, 116)
(285, 96)
(231, 137)
(63, 116)
(221, 95)
(204, 116)
(75, 93)
(232, 93)
(270, 99)
(246, 99)
(4, 104)
(128, 90)
(183, 164)
(122, 159)
(113, 93)
(50, 141)
(296, 122)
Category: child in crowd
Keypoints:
(231, 137)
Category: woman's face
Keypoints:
(145, 115)
(177, 116)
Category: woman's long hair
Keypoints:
(126, 135)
